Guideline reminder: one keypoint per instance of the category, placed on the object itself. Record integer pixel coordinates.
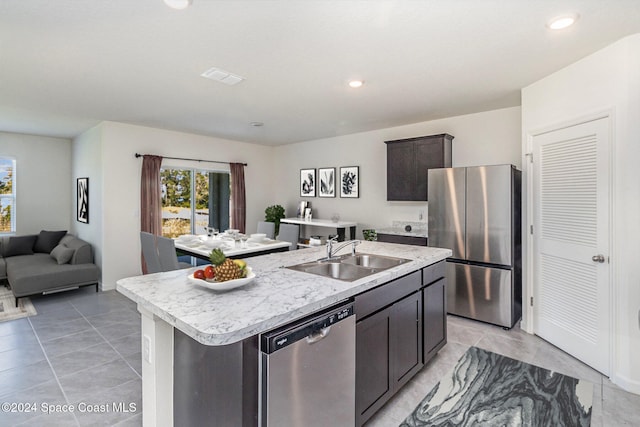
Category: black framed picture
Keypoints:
(82, 195)
(307, 183)
(350, 181)
(327, 182)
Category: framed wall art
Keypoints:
(327, 182)
(349, 181)
(307, 183)
(82, 196)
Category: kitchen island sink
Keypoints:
(350, 267)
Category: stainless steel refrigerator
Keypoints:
(476, 212)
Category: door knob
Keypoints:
(598, 258)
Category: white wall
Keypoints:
(86, 152)
(121, 184)
(43, 174)
(491, 137)
(608, 80)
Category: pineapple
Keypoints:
(225, 268)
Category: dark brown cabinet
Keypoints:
(405, 240)
(408, 161)
(435, 318)
(397, 324)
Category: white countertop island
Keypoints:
(276, 296)
(200, 347)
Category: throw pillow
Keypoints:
(62, 254)
(20, 245)
(47, 240)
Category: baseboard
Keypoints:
(627, 384)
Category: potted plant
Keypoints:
(274, 214)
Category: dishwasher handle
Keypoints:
(317, 336)
(312, 329)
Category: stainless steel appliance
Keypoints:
(308, 371)
(476, 212)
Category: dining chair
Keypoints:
(167, 254)
(268, 228)
(290, 233)
(150, 252)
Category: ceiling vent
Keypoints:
(222, 76)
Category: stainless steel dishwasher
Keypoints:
(308, 371)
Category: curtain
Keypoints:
(238, 199)
(150, 198)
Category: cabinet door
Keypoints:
(406, 338)
(400, 171)
(435, 318)
(373, 386)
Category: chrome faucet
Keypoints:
(331, 251)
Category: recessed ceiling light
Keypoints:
(356, 83)
(563, 21)
(256, 124)
(178, 4)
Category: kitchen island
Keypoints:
(190, 332)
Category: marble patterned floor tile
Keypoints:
(489, 389)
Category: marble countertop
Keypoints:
(276, 296)
(320, 222)
(418, 229)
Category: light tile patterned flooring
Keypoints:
(84, 346)
(612, 407)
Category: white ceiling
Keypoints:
(66, 65)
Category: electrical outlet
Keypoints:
(146, 348)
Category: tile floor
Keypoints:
(84, 347)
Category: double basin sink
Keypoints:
(350, 267)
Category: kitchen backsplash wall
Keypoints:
(491, 137)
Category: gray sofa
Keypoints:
(47, 262)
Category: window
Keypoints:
(192, 200)
(7, 195)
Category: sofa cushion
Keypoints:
(62, 254)
(47, 240)
(32, 274)
(20, 245)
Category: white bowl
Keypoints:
(258, 237)
(213, 243)
(224, 286)
(187, 238)
(232, 231)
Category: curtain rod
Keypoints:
(193, 160)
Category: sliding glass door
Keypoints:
(192, 200)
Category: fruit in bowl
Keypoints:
(225, 268)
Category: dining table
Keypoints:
(196, 246)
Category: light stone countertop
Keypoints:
(418, 229)
(275, 297)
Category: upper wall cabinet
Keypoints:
(408, 161)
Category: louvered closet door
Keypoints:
(571, 200)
